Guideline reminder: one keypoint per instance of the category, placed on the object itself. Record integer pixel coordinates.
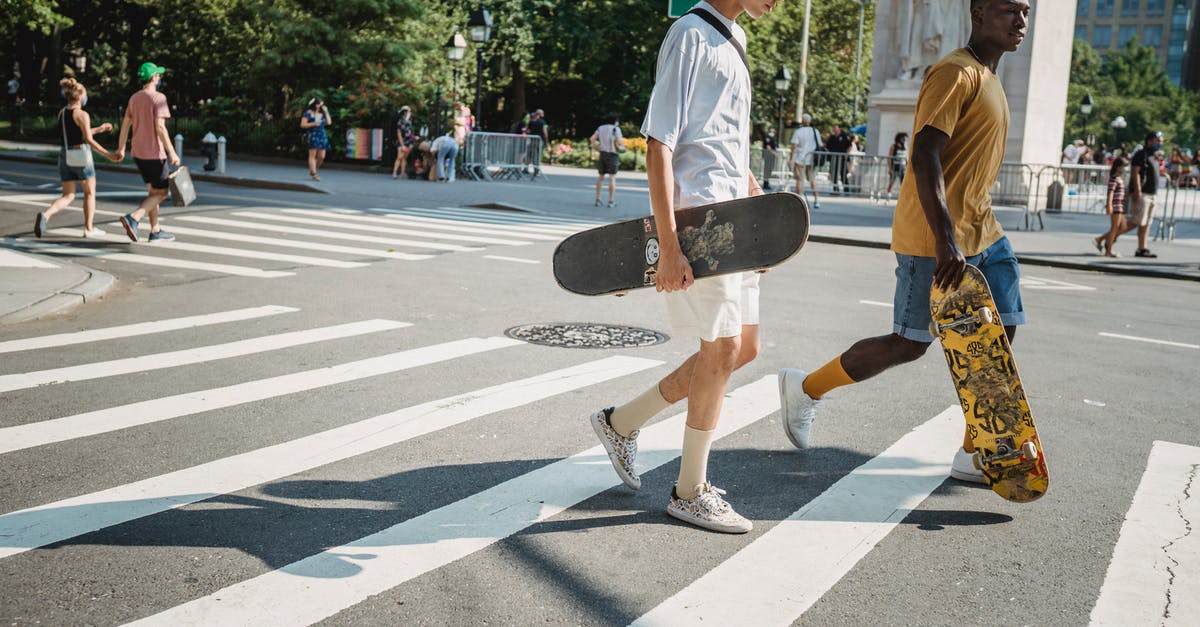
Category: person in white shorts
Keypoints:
(698, 133)
(806, 141)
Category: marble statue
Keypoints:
(927, 30)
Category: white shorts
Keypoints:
(715, 307)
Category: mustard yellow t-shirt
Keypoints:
(964, 100)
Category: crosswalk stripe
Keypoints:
(351, 226)
(34, 527)
(148, 260)
(440, 217)
(166, 408)
(281, 228)
(442, 225)
(230, 252)
(293, 243)
(485, 219)
(827, 537)
(317, 587)
(142, 328)
(11, 259)
(514, 216)
(512, 259)
(190, 356)
(1155, 570)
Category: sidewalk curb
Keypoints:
(1027, 260)
(196, 176)
(94, 287)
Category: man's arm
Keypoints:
(674, 272)
(164, 138)
(1135, 181)
(126, 125)
(931, 189)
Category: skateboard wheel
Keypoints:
(985, 315)
(1029, 449)
(977, 461)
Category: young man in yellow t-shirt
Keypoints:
(943, 219)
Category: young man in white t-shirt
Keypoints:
(698, 133)
(608, 139)
(806, 141)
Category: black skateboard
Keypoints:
(722, 238)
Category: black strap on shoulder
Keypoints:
(723, 29)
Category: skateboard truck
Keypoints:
(1006, 450)
(983, 315)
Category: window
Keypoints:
(1156, 8)
(1102, 37)
(1152, 36)
(1104, 8)
(1081, 32)
(1131, 8)
(1081, 7)
(1124, 34)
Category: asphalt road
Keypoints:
(309, 465)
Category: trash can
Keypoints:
(1054, 196)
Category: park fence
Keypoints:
(1063, 188)
(498, 156)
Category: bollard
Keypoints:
(179, 145)
(221, 154)
(209, 148)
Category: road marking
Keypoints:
(13, 259)
(30, 528)
(166, 408)
(1149, 340)
(293, 243)
(189, 356)
(351, 226)
(142, 328)
(876, 303)
(280, 228)
(230, 252)
(413, 213)
(1155, 570)
(324, 584)
(1035, 283)
(515, 216)
(147, 260)
(444, 225)
(513, 259)
(803, 556)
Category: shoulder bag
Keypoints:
(75, 157)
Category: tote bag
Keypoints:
(75, 157)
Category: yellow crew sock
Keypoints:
(632, 415)
(693, 464)
(826, 378)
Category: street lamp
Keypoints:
(456, 47)
(1085, 107)
(803, 60)
(783, 79)
(1118, 124)
(862, 9)
(480, 26)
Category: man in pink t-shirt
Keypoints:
(146, 116)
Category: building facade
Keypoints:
(1168, 26)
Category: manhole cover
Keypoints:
(586, 335)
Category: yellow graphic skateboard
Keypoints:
(999, 422)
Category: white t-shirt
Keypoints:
(700, 109)
(805, 141)
(1071, 154)
(610, 138)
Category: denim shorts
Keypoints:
(67, 173)
(914, 278)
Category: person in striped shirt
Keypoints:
(1114, 206)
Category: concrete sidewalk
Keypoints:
(28, 290)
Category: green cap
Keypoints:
(149, 70)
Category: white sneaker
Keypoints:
(93, 233)
(707, 509)
(798, 408)
(964, 469)
(622, 451)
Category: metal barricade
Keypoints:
(492, 156)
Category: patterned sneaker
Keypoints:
(798, 408)
(964, 469)
(621, 450)
(131, 226)
(707, 509)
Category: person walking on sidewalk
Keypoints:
(405, 140)
(943, 219)
(77, 132)
(1143, 189)
(609, 141)
(806, 141)
(1114, 206)
(698, 131)
(146, 118)
(315, 120)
